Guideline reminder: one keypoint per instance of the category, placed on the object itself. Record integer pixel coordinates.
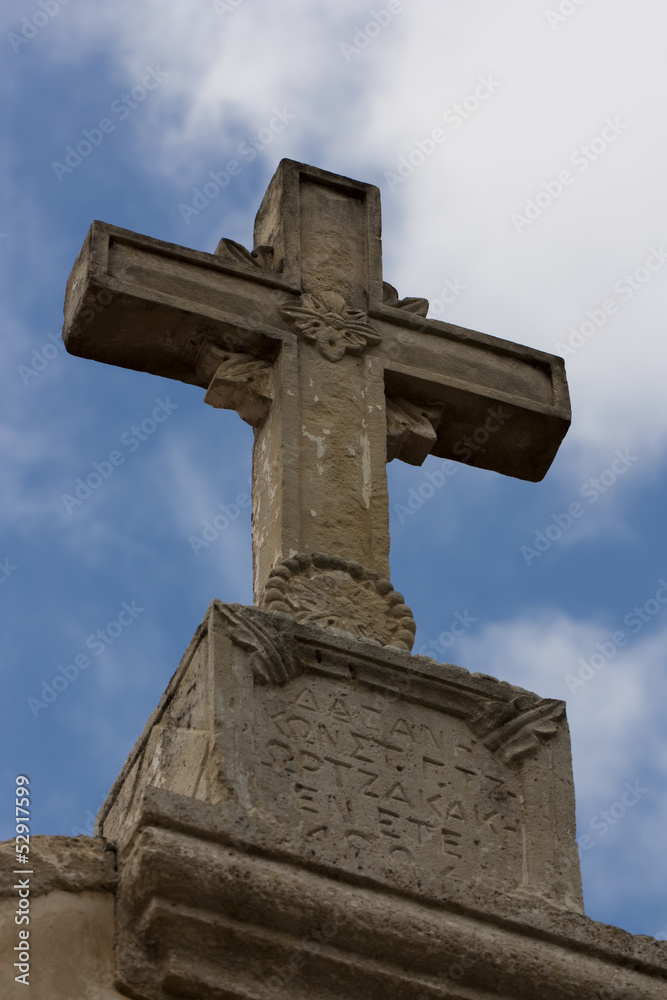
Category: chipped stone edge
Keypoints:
(69, 864)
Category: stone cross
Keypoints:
(336, 374)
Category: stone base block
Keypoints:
(309, 815)
(202, 918)
(363, 761)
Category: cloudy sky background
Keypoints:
(357, 102)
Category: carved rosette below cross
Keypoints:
(336, 593)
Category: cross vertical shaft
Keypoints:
(328, 395)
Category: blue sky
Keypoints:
(519, 149)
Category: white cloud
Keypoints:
(452, 217)
(539, 651)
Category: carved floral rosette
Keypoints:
(326, 320)
(336, 593)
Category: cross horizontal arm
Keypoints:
(147, 305)
(490, 392)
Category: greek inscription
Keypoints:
(277, 722)
(373, 718)
(340, 711)
(337, 764)
(455, 811)
(316, 833)
(363, 835)
(341, 806)
(309, 761)
(367, 787)
(431, 802)
(306, 700)
(466, 770)
(489, 819)
(334, 739)
(386, 820)
(398, 793)
(497, 786)
(384, 782)
(451, 839)
(421, 826)
(429, 740)
(386, 745)
(400, 849)
(498, 791)
(401, 728)
(306, 798)
(360, 750)
(278, 753)
(298, 727)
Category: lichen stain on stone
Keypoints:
(319, 441)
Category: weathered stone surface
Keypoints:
(72, 884)
(71, 947)
(201, 917)
(310, 815)
(339, 594)
(336, 374)
(73, 864)
(362, 760)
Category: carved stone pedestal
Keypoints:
(362, 760)
(312, 815)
